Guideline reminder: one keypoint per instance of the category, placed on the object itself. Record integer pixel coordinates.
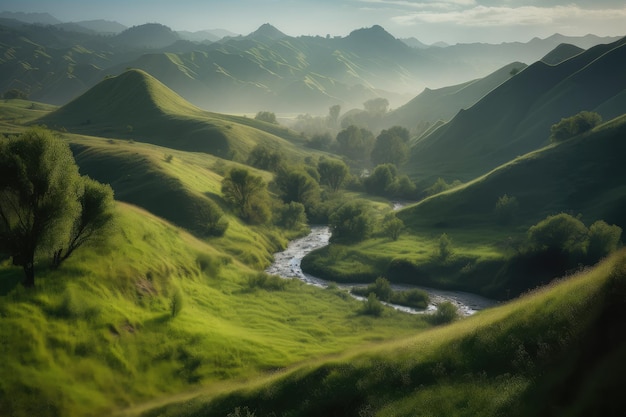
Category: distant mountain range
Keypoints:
(264, 70)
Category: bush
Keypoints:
(444, 250)
(350, 223)
(176, 303)
(603, 239)
(372, 306)
(392, 227)
(506, 209)
(291, 216)
(446, 313)
(266, 116)
(414, 298)
(381, 288)
(561, 232)
(267, 282)
(575, 125)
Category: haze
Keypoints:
(430, 21)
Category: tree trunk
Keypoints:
(29, 272)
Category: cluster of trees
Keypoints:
(381, 288)
(266, 116)
(46, 206)
(574, 125)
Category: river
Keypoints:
(287, 265)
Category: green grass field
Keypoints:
(99, 333)
(548, 353)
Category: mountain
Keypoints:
(516, 117)
(135, 105)
(198, 36)
(443, 103)
(414, 43)
(561, 53)
(267, 32)
(39, 18)
(102, 26)
(149, 35)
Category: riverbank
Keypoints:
(287, 264)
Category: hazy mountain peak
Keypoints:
(561, 53)
(41, 18)
(149, 35)
(268, 31)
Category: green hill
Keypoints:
(581, 175)
(135, 105)
(443, 103)
(558, 351)
(515, 118)
(561, 53)
(153, 311)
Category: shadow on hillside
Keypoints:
(217, 198)
(9, 279)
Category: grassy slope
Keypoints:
(515, 118)
(134, 105)
(175, 191)
(558, 351)
(582, 175)
(98, 334)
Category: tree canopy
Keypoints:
(246, 193)
(575, 125)
(45, 205)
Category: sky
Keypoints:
(430, 21)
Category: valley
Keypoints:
(263, 224)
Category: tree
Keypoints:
(351, 222)
(506, 209)
(561, 232)
(39, 196)
(245, 192)
(380, 181)
(603, 239)
(333, 115)
(393, 226)
(97, 208)
(332, 173)
(297, 185)
(291, 216)
(574, 125)
(266, 116)
(15, 93)
(391, 147)
(262, 157)
(377, 106)
(355, 142)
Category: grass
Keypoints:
(544, 353)
(135, 105)
(100, 333)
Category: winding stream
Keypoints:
(287, 265)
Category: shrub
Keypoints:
(575, 125)
(392, 227)
(561, 232)
(351, 223)
(506, 209)
(372, 306)
(446, 313)
(168, 158)
(444, 250)
(291, 215)
(603, 239)
(415, 298)
(176, 303)
(267, 282)
(266, 116)
(381, 288)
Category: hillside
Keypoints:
(134, 105)
(444, 103)
(515, 118)
(561, 53)
(265, 70)
(581, 175)
(557, 351)
(153, 311)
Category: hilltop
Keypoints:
(135, 105)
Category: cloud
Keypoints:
(483, 16)
(421, 4)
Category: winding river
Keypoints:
(287, 265)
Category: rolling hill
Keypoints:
(515, 118)
(134, 105)
(558, 351)
(444, 103)
(581, 175)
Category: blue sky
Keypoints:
(430, 21)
